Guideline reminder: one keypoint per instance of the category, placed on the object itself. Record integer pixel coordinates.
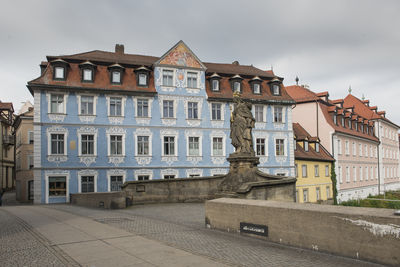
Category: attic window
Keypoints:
(215, 85)
(116, 72)
(256, 88)
(349, 123)
(275, 89)
(343, 121)
(236, 86)
(87, 75)
(317, 147)
(236, 83)
(142, 76)
(59, 69)
(334, 119)
(59, 73)
(275, 86)
(142, 79)
(306, 146)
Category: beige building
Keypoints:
(7, 141)
(24, 155)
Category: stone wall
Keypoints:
(364, 233)
(174, 190)
(108, 200)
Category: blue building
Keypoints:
(103, 118)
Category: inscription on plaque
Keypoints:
(255, 229)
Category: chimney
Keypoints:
(235, 62)
(119, 48)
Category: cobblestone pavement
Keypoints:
(20, 245)
(182, 226)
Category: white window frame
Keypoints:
(360, 152)
(222, 111)
(93, 173)
(316, 170)
(149, 103)
(146, 172)
(327, 171)
(347, 174)
(346, 147)
(79, 99)
(143, 132)
(197, 79)
(56, 174)
(176, 145)
(215, 135)
(123, 101)
(304, 171)
(354, 174)
(354, 149)
(215, 89)
(84, 72)
(339, 143)
(265, 146)
(49, 133)
(169, 172)
(361, 173)
(366, 173)
(340, 174)
(64, 107)
(82, 132)
(263, 108)
(109, 144)
(162, 77)
(200, 146)
(30, 137)
(115, 172)
(283, 114)
(284, 146)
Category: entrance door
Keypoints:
(30, 190)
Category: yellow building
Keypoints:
(313, 165)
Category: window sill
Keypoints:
(168, 121)
(193, 122)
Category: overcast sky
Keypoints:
(329, 45)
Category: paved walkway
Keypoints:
(144, 235)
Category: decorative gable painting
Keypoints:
(180, 55)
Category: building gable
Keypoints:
(180, 55)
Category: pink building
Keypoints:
(387, 132)
(347, 135)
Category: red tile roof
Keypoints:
(301, 134)
(301, 94)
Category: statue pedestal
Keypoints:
(242, 162)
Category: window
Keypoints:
(347, 174)
(260, 146)
(317, 147)
(57, 186)
(349, 122)
(169, 145)
(342, 121)
(328, 192)
(361, 173)
(305, 195)
(366, 150)
(346, 147)
(116, 182)
(256, 88)
(142, 108)
(57, 144)
(30, 162)
(169, 176)
(116, 144)
(278, 115)
(168, 76)
(236, 86)
(142, 79)
(339, 143)
(259, 113)
(87, 75)
(59, 73)
(194, 146)
(143, 145)
(279, 147)
(215, 85)
(87, 184)
(334, 119)
(316, 170)
(326, 170)
(217, 146)
(304, 171)
(168, 108)
(216, 111)
(192, 80)
(30, 137)
(57, 104)
(192, 110)
(116, 77)
(115, 106)
(318, 193)
(360, 150)
(306, 146)
(354, 174)
(340, 174)
(366, 173)
(275, 89)
(87, 144)
(143, 177)
(296, 171)
(87, 105)
(354, 149)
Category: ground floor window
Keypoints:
(328, 192)
(305, 195)
(87, 184)
(143, 177)
(116, 182)
(57, 186)
(169, 176)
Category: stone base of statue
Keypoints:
(245, 180)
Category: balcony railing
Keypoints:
(8, 140)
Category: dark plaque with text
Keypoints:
(255, 229)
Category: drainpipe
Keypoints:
(316, 103)
(378, 154)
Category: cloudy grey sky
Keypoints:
(330, 45)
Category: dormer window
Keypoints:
(142, 76)
(367, 130)
(59, 73)
(59, 69)
(275, 86)
(256, 88)
(356, 126)
(215, 85)
(349, 123)
(334, 119)
(362, 128)
(87, 71)
(275, 89)
(306, 146)
(342, 121)
(317, 147)
(87, 75)
(116, 72)
(236, 83)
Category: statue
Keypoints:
(242, 123)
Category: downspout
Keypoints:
(316, 103)
(379, 168)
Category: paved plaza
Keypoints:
(143, 235)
